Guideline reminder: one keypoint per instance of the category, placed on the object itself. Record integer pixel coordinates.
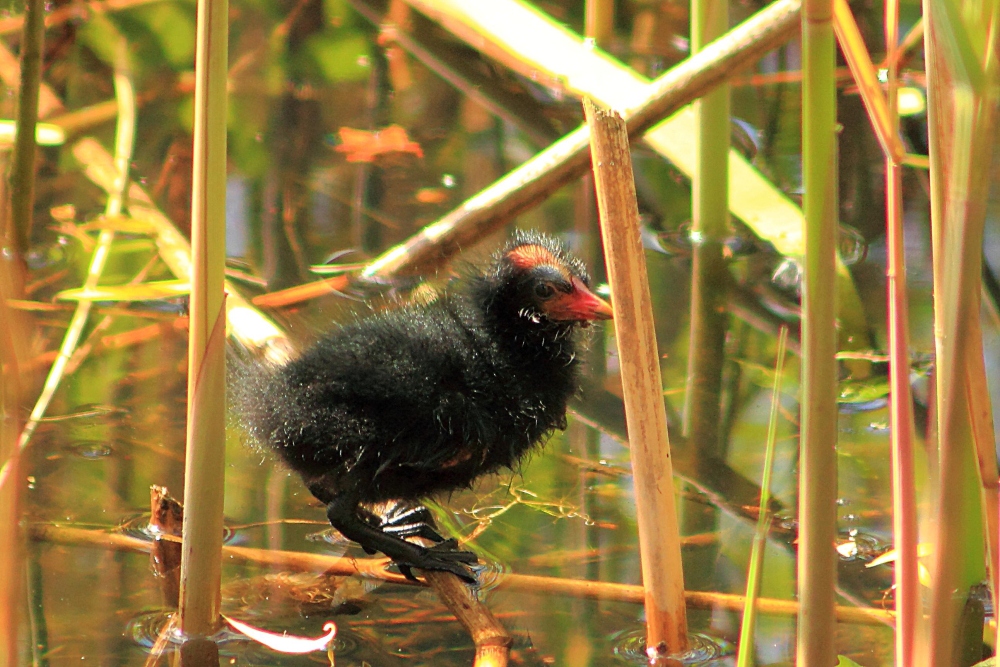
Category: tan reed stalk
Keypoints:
(817, 572)
(652, 472)
(884, 119)
(204, 469)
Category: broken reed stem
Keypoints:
(491, 639)
(166, 520)
(22, 167)
(375, 568)
(817, 558)
(645, 415)
(204, 470)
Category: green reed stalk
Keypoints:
(204, 472)
(709, 226)
(817, 573)
(904, 511)
(755, 571)
(963, 91)
(22, 167)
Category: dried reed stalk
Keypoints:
(652, 472)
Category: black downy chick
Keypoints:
(426, 398)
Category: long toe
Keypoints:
(446, 560)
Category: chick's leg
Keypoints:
(343, 513)
(403, 520)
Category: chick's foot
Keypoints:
(353, 523)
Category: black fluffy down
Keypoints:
(423, 398)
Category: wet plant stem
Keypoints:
(491, 639)
(817, 558)
(652, 471)
(22, 167)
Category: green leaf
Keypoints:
(843, 661)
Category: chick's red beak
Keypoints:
(579, 305)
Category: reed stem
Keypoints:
(902, 434)
(204, 471)
(709, 227)
(817, 571)
(22, 167)
(652, 471)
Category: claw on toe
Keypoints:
(445, 558)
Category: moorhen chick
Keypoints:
(427, 397)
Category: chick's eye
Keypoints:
(544, 290)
